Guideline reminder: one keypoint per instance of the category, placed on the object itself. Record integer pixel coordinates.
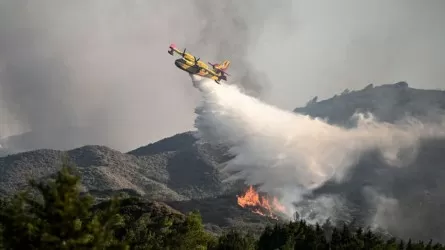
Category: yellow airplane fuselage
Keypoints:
(200, 68)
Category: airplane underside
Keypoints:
(195, 69)
(191, 69)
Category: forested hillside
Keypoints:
(60, 216)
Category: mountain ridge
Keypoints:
(387, 102)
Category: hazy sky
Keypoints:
(103, 65)
(335, 45)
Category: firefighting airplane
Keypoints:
(194, 66)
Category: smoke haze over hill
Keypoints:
(291, 155)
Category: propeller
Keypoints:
(196, 60)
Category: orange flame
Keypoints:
(259, 204)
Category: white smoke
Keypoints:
(385, 208)
(281, 150)
(323, 208)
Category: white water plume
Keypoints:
(282, 150)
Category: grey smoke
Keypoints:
(98, 72)
(231, 30)
(91, 72)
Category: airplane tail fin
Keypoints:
(221, 66)
(224, 65)
(171, 48)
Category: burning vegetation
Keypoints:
(261, 205)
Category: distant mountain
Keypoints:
(389, 103)
(5, 152)
(63, 138)
(158, 171)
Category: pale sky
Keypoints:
(104, 65)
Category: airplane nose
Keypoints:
(179, 63)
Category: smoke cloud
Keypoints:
(96, 72)
(91, 72)
(291, 155)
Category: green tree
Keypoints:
(391, 244)
(401, 245)
(321, 239)
(148, 232)
(279, 237)
(234, 240)
(189, 234)
(159, 229)
(372, 241)
(430, 245)
(61, 219)
(335, 239)
(409, 245)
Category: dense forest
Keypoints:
(56, 214)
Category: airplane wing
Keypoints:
(173, 49)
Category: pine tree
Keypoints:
(438, 246)
(335, 242)
(371, 240)
(430, 245)
(19, 227)
(345, 235)
(321, 239)
(234, 240)
(391, 244)
(309, 241)
(189, 234)
(401, 245)
(409, 245)
(61, 219)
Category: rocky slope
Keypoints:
(158, 171)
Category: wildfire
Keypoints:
(260, 204)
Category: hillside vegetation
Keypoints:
(61, 217)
